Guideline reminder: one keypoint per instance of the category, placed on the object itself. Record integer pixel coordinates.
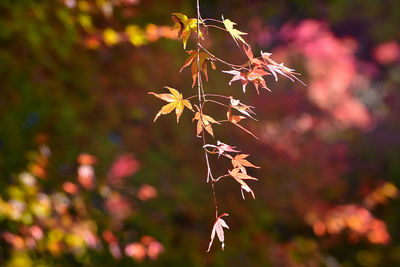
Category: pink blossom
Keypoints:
(124, 166)
(146, 192)
(387, 53)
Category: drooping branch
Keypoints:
(252, 71)
(201, 96)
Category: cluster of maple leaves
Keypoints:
(252, 71)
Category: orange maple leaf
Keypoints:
(203, 59)
(176, 102)
(254, 76)
(204, 123)
(239, 177)
(240, 162)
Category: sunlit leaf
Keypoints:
(176, 102)
(192, 60)
(239, 176)
(222, 148)
(236, 34)
(239, 161)
(204, 123)
(185, 26)
(218, 229)
(242, 108)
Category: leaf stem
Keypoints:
(215, 20)
(222, 176)
(215, 95)
(216, 102)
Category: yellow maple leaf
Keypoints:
(235, 33)
(185, 26)
(176, 102)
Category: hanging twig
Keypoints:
(201, 96)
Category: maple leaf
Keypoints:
(222, 148)
(233, 32)
(238, 76)
(185, 26)
(176, 102)
(275, 68)
(254, 76)
(203, 59)
(242, 108)
(240, 162)
(235, 119)
(204, 122)
(239, 176)
(218, 229)
(250, 56)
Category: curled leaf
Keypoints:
(185, 26)
(218, 229)
(238, 76)
(222, 148)
(239, 176)
(242, 108)
(235, 119)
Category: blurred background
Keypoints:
(87, 179)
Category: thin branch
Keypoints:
(215, 26)
(215, 20)
(215, 199)
(222, 176)
(200, 91)
(234, 66)
(222, 96)
(216, 102)
(201, 86)
(214, 95)
(209, 151)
